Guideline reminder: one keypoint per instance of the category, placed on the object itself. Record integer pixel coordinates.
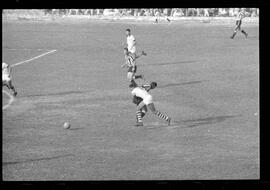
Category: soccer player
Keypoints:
(130, 62)
(239, 19)
(6, 78)
(146, 102)
(131, 42)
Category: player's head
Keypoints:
(243, 9)
(128, 32)
(153, 85)
(126, 51)
(132, 84)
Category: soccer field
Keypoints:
(207, 83)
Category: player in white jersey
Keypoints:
(130, 62)
(144, 100)
(239, 19)
(6, 78)
(131, 42)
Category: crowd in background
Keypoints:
(174, 12)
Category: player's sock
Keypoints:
(139, 116)
(244, 33)
(162, 116)
(234, 33)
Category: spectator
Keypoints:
(231, 12)
(178, 13)
(198, 11)
(206, 13)
(222, 12)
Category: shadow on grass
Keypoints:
(192, 122)
(35, 160)
(75, 129)
(55, 94)
(170, 63)
(207, 121)
(180, 84)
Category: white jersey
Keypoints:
(131, 44)
(241, 15)
(5, 69)
(5, 72)
(142, 93)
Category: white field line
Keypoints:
(11, 98)
(24, 49)
(28, 60)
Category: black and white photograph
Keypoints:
(130, 94)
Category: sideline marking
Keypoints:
(28, 60)
(24, 49)
(11, 98)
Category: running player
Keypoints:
(6, 78)
(131, 42)
(130, 62)
(137, 100)
(147, 101)
(239, 19)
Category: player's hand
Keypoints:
(123, 65)
(143, 53)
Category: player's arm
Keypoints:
(123, 65)
(150, 86)
(142, 53)
(134, 43)
(147, 87)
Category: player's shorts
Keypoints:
(6, 78)
(148, 100)
(133, 50)
(130, 69)
(137, 100)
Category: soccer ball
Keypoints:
(67, 125)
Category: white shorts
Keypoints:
(6, 78)
(148, 100)
(132, 50)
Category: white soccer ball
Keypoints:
(67, 125)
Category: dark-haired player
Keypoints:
(239, 19)
(130, 62)
(144, 101)
(131, 42)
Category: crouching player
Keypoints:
(130, 62)
(144, 101)
(6, 78)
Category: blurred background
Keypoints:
(167, 12)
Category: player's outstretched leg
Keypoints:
(234, 33)
(246, 35)
(9, 85)
(159, 114)
(12, 88)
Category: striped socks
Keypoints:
(162, 116)
(139, 116)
